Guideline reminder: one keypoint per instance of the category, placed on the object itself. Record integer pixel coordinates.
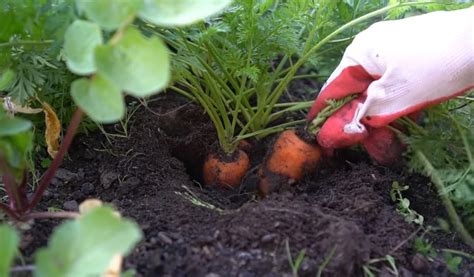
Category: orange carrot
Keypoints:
(225, 173)
(244, 146)
(288, 161)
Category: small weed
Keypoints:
(191, 197)
(296, 264)
(369, 267)
(425, 248)
(326, 262)
(452, 258)
(452, 262)
(403, 204)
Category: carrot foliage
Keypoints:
(442, 146)
(238, 66)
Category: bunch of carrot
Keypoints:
(287, 161)
(293, 154)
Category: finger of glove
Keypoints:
(332, 133)
(351, 80)
(383, 145)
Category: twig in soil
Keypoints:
(411, 236)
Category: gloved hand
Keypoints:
(397, 68)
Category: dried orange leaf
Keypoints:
(53, 129)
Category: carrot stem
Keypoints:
(448, 204)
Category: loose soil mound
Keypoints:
(342, 215)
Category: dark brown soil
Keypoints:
(342, 214)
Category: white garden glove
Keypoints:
(398, 67)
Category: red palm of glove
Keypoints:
(380, 142)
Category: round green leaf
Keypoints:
(138, 65)
(109, 14)
(12, 126)
(79, 42)
(85, 246)
(100, 99)
(180, 12)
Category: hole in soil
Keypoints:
(193, 162)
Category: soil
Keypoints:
(342, 217)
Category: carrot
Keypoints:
(225, 173)
(244, 146)
(288, 161)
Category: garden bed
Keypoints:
(342, 215)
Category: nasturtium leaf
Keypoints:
(138, 65)
(6, 78)
(80, 40)
(8, 248)
(109, 14)
(180, 12)
(85, 247)
(11, 126)
(100, 99)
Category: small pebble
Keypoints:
(71, 205)
(132, 182)
(268, 238)
(65, 175)
(107, 178)
(87, 188)
(420, 263)
(164, 238)
(77, 195)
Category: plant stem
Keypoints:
(455, 220)
(42, 215)
(10, 185)
(25, 42)
(458, 252)
(9, 211)
(71, 131)
(22, 194)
